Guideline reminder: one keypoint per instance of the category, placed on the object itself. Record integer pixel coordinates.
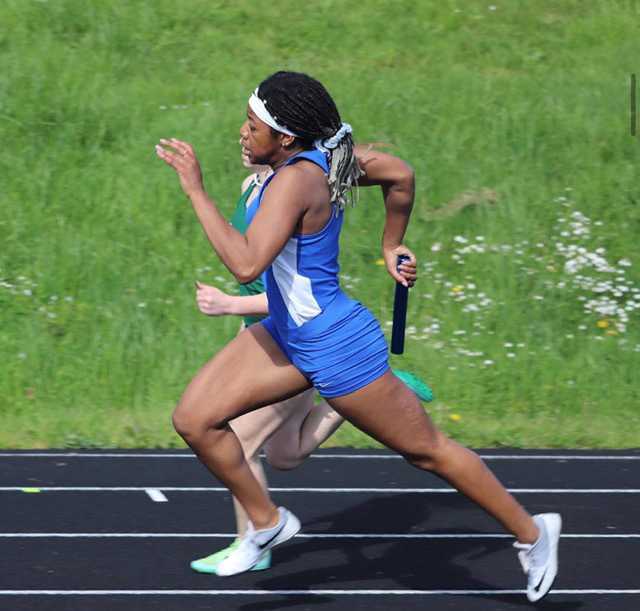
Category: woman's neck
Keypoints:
(282, 160)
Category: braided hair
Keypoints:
(304, 106)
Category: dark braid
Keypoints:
(303, 105)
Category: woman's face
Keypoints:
(252, 167)
(259, 145)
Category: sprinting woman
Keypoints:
(289, 430)
(315, 335)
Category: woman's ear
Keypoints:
(287, 141)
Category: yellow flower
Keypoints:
(379, 261)
(455, 417)
(602, 324)
(457, 289)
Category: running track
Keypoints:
(115, 531)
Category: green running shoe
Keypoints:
(417, 385)
(209, 564)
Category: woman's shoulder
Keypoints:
(302, 175)
(303, 183)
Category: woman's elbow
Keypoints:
(246, 275)
(407, 177)
(402, 187)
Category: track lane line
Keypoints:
(26, 535)
(299, 592)
(319, 490)
(156, 495)
(329, 456)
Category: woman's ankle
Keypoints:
(267, 520)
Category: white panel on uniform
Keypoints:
(295, 289)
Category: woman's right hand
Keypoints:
(406, 273)
(182, 158)
(212, 301)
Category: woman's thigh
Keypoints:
(249, 372)
(267, 424)
(295, 409)
(391, 413)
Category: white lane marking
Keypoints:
(19, 535)
(349, 456)
(294, 592)
(93, 455)
(156, 495)
(329, 490)
(499, 456)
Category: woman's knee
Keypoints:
(431, 454)
(184, 424)
(283, 459)
(191, 424)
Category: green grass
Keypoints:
(511, 106)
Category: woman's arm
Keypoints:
(397, 180)
(245, 256)
(214, 302)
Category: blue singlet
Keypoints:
(332, 339)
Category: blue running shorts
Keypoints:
(339, 357)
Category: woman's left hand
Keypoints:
(211, 300)
(182, 158)
(406, 272)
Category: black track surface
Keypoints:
(142, 564)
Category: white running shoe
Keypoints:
(539, 560)
(256, 543)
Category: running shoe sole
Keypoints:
(203, 565)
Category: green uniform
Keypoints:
(238, 220)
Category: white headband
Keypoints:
(258, 107)
(324, 144)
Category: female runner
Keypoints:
(315, 335)
(288, 431)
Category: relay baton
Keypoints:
(399, 312)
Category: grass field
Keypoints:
(515, 116)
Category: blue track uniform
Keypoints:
(332, 339)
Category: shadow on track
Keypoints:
(388, 564)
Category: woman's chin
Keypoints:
(247, 162)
